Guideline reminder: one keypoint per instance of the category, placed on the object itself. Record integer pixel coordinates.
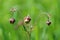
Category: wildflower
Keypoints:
(48, 22)
(27, 19)
(12, 20)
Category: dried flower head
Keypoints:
(13, 10)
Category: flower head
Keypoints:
(12, 20)
(27, 19)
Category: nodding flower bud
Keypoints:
(27, 19)
(12, 20)
(48, 22)
(13, 10)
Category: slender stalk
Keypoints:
(28, 32)
(44, 33)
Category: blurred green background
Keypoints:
(37, 9)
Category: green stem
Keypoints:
(44, 33)
(28, 32)
(24, 28)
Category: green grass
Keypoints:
(37, 9)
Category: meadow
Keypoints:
(37, 10)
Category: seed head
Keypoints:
(13, 9)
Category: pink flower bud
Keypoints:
(48, 22)
(12, 20)
(27, 19)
